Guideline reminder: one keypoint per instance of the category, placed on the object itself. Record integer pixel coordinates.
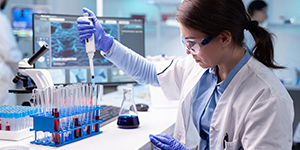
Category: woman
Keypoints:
(234, 99)
(257, 10)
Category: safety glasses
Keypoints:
(194, 47)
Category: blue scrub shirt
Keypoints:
(206, 96)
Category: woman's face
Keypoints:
(210, 55)
(260, 15)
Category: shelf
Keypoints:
(164, 25)
(161, 2)
(283, 25)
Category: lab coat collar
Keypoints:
(223, 84)
(235, 70)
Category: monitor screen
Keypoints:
(21, 18)
(67, 60)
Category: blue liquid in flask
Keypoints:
(128, 121)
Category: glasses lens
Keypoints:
(193, 46)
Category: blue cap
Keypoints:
(17, 115)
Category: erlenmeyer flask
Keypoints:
(128, 117)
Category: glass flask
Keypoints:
(128, 117)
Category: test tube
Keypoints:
(84, 93)
(42, 101)
(69, 100)
(89, 103)
(99, 94)
(39, 97)
(48, 101)
(56, 128)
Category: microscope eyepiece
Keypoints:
(16, 79)
(38, 54)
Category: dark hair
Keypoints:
(256, 5)
(212, 17)
(3, 4)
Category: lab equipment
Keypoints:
(102, 40)
(165, 141)
(141, 107)
(41, 77)
(109, 113)
(90, 45)
(15, 121)
(21, 18)
(67, 54)
(67, 114)
(128, 116)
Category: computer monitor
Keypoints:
(21, 18)
(67, 60)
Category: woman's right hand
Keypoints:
(103, 41)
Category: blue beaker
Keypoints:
(128, 116)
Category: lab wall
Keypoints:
(284, 22)
(164, 39)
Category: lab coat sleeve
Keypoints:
(171, 75)
(134, 65)
(9, 52)
(264, 120)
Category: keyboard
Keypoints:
(109, 114)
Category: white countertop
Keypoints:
(154, 121)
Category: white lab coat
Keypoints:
(255, 110)
(10, 55)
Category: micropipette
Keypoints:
(90, 47)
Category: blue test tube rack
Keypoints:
(45, 123)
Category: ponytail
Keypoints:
(263, 50)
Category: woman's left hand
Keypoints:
(166, 142)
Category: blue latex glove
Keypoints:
(166, 142)
(102, 40)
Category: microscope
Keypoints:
(41, 78)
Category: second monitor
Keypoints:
(67, 60)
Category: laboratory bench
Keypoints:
(153, 121)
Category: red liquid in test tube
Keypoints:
(77, 131)
(7, 127)
(56, 122)
(53, 134)
(56, 128)
(97, 117)
(88, 130)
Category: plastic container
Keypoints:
(15, 122)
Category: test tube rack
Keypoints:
(45, 123)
